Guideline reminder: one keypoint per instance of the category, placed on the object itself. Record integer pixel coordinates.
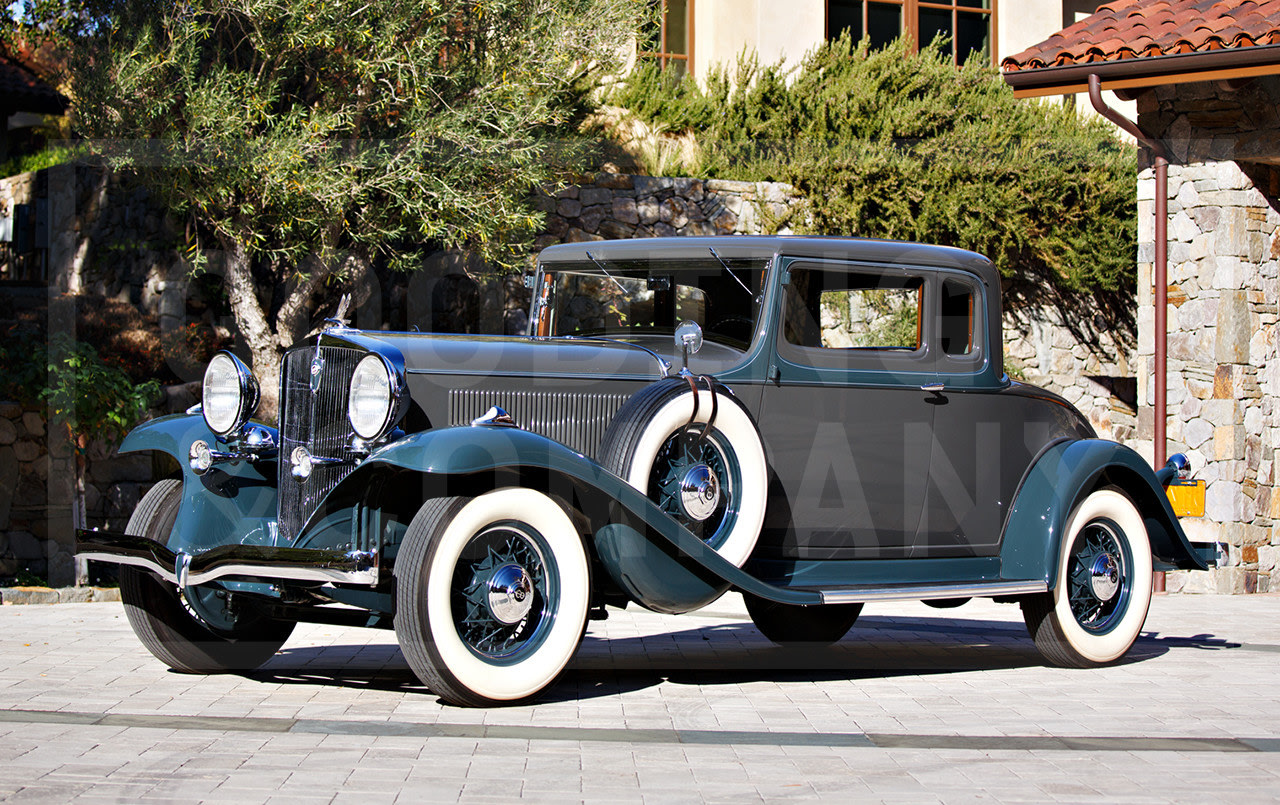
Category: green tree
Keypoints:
(309, 139)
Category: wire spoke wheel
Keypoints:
(1099, 577)
(711, 477)
(1103, 586)
(695, 472)
(491, 595)
(501, 592)
(198, 630)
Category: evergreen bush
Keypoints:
(899, 145)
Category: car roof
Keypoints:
(740, 247)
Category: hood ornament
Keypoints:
(339, 319)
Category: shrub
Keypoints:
(899, 145)
(90, 398)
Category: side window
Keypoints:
(853, 310)
(840, 316)
(957, 325)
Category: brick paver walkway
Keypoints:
(915, 705)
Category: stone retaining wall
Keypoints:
(621, 206)
(1040, 349)
(37, 476)
(105, 236)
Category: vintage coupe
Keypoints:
(815, 423)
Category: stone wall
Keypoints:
(37, 475)
(1222, 372)
(1096, 379)
(105, 237)
(1224, 245)
(616, 206)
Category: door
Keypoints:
(845, 422)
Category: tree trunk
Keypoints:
(263, 344)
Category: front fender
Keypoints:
(1058, 480)
(231, 504)
(660, 564)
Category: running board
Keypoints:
(931, 592)
(251, 561)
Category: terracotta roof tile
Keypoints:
(1127, 29)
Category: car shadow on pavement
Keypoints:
(729, 653)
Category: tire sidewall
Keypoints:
(526, 676)
(735, 427)
(1107, 647)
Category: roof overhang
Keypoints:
(1147, 71)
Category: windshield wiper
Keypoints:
(600, 266)
(727, 269)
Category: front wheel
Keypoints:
(1103, 590)
(491, 595)
(788, 624)
(199, 630)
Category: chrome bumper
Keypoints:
(251, 561)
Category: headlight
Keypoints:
(373, 400)
(230, 394)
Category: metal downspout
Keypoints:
(1161, 279)
(1161, 271)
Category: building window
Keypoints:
(669, 39)
(968, 23)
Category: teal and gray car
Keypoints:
(814, 423)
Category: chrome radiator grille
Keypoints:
(576, 420)
(315, 420)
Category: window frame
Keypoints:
(663, 55)
(911, 21)
(862, 359)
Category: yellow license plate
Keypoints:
(1187, 497)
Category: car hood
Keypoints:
(435, 353)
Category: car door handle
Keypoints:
(933, 388)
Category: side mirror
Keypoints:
(688, 337)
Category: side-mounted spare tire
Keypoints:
(701, 462)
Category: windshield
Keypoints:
(628, 301)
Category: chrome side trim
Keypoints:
(286, 564)
(926, 592)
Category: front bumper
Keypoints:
(255, 562)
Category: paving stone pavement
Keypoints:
(915, 705)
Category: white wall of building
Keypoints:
(775, 29)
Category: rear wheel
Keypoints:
(199, 630)
(1103, 590)
(787, 624)
(491, 595)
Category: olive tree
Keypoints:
(310, 139)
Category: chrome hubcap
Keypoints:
(699, 492)
(510, 594)
(1105, 577)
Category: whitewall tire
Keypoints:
(491, 595)
(649, 446)
(1103, 587)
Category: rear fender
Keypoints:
(1062, 476)
(657, 562)
(232, 503)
